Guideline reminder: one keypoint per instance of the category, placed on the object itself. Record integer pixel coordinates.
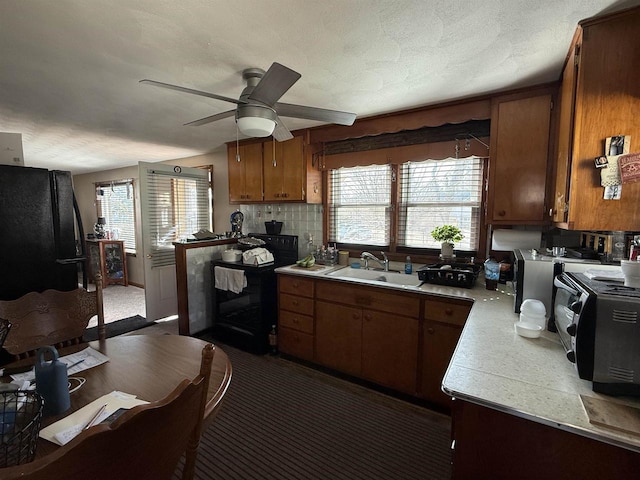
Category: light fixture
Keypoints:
(256, 120)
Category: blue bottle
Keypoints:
(408, 267)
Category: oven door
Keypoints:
(566, 307)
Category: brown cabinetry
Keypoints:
(108, 258)
(273, 172)
(498, 445)
(600, 98)
(295, 316)
(283, 167)
(245, 173)
(441, 331)
(398, 340)
(359, 331)
(519, 153)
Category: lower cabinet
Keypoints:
(443, 322)
(490, 444)
(398, 340)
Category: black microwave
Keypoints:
(598, 322)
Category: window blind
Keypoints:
(178, 207)
(116, 205)
(359, 205)
(440, 192)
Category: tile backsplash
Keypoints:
(299, 219)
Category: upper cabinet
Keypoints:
(280, 172)
(519, 153)
(245, 173)
(600, 98)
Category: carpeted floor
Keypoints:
(118, 327)
(283, 421)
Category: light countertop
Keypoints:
(495, 367)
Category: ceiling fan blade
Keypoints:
(273, 84)
(313, 113)
(191, 91)
(211, 118)
(281, 133)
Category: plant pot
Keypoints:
(446, 250)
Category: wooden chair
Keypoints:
(146, 442)
(51, 318)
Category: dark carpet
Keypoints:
(118, 327)
(281, 420)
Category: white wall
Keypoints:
(86, 196)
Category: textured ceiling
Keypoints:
(70, 68)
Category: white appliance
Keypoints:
(533, 275)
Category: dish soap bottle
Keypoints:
(408, 267)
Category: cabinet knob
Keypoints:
(295, 302)
(431, 330)
(356, 316)
(448, 311)
(367, 317)
(295, 320)
(502, 213)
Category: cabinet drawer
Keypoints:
(374, 298)
(296, 321)
(296, 285)
(293, 303)
(446, 312)
(296, 344)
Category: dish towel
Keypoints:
(229, 279)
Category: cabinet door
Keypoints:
(390, 350)
(607, 104)
(439, 342)
(339, 337)
(245, 175)
(284, 177)
(518, 160)
(565, 137)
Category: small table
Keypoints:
(148, 366)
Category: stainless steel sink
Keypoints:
(394, 278)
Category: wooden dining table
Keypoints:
(148, 366)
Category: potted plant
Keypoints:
(447, 235)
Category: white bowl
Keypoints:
(531, 306)
(529, 330)
(534, 319)
(631, 272)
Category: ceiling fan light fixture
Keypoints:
(256, 120)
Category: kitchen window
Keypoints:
(440, 192)
(366, 209)
(115, 202)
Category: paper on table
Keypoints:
(63, 431)
(88, 358)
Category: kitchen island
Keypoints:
(517, 411)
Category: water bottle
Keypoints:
(408, 267)
(52, 382)
(273, 340)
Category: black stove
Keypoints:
(244, 319)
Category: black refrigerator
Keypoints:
(39, 222)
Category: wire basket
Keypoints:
(20, 418)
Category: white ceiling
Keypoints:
(70, 68)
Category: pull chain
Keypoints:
(237, 144)
(274, 151)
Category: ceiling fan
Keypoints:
(258, 111)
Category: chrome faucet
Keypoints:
(366, 256)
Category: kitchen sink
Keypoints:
(394, 278)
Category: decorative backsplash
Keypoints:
(299, 219)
